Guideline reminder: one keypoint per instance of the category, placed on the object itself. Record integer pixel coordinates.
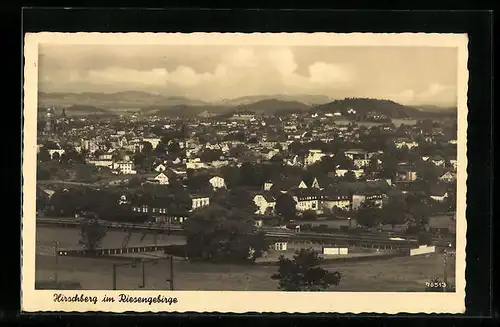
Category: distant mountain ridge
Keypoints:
(362, 106)
(432, 108)
(273, 106)
(160, 105)
(183, 110)
(79, 110)
(125, 99)
(304, 99)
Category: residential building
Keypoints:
(448, 177)
(154, 141)
(124, 167)
(198, 201)
(439, 193)
(160, 168)
(313, 156)
(217, 182)
(438, 161)
(357, 172)
(162, 179)
(399, 143)
(265, 202)
(356, 154)
(359, 197)
(333, 197)
(307, 199)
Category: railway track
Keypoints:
(368, 239)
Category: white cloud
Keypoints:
(127, 76)
(405, 97)
(324, 73)
(236, 71)
(283, 60)
(242, 71)
(436, 93)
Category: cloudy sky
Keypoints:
(411, 75)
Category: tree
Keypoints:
(85, 174)
(368, 214)
(424, 238)
(393, 212)
(303, 273)
(322, 167)
(237, 151)
(66, 203)
(147, 148)
(43, 155)
(161, 149)
(342, 161)
(427, 172)
(420, 213)
(210, 155)
(217, 234)
(43, 174)
(139, 159)
(286, 206)
(198, 182)
(249, 175)
(231, 175)
(236, 199)
(372, 165)
(389, 164)
(349, 177)
(173, 147)
(309, 215)
(91, 234)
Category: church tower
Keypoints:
(49, 121)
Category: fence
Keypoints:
(111, 251)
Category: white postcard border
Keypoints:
(241, 302)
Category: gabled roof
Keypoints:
(335, 192)
(403, 139)
(371, 187)
(287, 184)
(355, 151)
(161, 175)
(325, 181)
(437, 157)
(268, 196)
(306, 192)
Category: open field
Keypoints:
(395, 274)
(391, 275)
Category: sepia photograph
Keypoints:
(280, 165)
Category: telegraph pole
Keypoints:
(171, 273)
(114, 276)
(56, 252)
(445, 268)
(171, 279)
(143, 275)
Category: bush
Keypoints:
(309, 215)
(176, 250)
(424, 239)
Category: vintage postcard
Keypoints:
(262, 172)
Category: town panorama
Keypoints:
(238, 194)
